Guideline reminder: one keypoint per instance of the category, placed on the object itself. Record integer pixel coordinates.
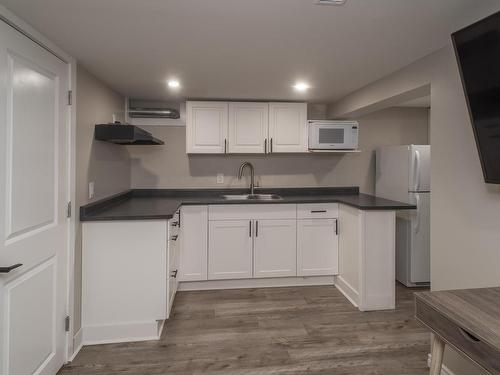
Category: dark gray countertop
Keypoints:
(150, 204)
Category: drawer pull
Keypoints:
(469, 336)
(174, 238)
(318, 211)
(174, 274)
(10, 268)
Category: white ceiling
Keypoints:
(247, 49)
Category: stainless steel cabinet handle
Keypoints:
(174, 274)
(257, 228)
(250, 228)
(265, 146)
(271, 146)
(11, 268)
(318, 211)
(225, 145)
(336, 227)
(174, 238)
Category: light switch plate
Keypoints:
(91, 190)
(220, 178)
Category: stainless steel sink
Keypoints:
(243, 197)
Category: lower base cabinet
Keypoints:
(317, 247)
(230, 249)
(125, 286)
(173, 261)
(275, 248)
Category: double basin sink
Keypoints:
(258, 197)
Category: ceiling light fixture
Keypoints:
(301, 86)
(331, 2)
(173, 83)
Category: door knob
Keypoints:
(8, 269)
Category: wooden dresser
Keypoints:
(468, 320)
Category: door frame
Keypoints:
(24, 28)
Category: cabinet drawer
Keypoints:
(318, 211)
(474, 348)
(252, 211)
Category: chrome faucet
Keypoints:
(252, 175)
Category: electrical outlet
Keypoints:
(220, 178)
(91, 190)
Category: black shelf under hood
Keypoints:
(125, 135)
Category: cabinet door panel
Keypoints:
(206, 127)
(317, 247)
(248, 123)
(230, 250)
(194, 243)
(275, 248)
(288, 127)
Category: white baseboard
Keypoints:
(256, 283)
(77, 344)
(347, 290)
(124, 332)
(444, 370)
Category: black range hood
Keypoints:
(125, 135)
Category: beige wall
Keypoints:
(169, 167)
(106, 164)
(465, 212)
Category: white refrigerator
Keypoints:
(403, 174)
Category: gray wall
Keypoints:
(106, 164)
(169, 167)
(465, 212)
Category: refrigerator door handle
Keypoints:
(417, 224)
(416, 171)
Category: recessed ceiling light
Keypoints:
(301, 86)
(173, 83)
(331, 2)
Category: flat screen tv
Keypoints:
(477, 48)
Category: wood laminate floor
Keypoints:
(285, 331)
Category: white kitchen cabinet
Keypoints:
(194, 243)
(367, 257)
(287, 127)
(173, 260)
(124, 280)
(317, 247)
(248, 124)
(275, 248)
(245, 127)
(230, 249)
(206, 127)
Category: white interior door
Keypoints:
(248, 124)
(33, 196)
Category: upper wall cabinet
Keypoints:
(288, 127)
(206, 127)
(248, 124)
(246, 127)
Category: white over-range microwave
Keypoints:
(333, 135)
